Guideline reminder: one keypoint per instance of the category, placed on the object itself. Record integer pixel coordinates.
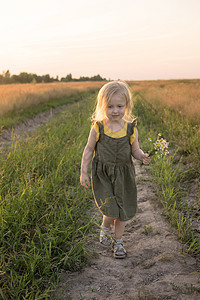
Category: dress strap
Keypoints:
(101, 130)
(131, 126)
(131, 130)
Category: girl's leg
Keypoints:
(107, 221)
(119, 251)
(119, 228)
(105, 238)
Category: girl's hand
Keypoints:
(146, 159)
(85, 181)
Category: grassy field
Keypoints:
(43, 209)
(182, 96)
(21, 101)
(45, 214)
(176, 175)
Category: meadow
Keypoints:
(44, 211)
(177, 174)
(182, 96)
(21, 101)
(46, 216)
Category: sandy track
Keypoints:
(155, 267)
(30, 124)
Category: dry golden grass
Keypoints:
(17, 97)
(182, 96)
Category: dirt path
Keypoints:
(16, 133)
(155, 267)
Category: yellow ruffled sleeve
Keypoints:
(132, 137)
(96, 128)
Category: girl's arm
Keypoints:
(138, 153)
(86, 158)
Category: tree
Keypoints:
(7, 74)
(5, 77)
(69, 77)
(1, 79)
(24, 77)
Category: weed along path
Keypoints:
(155, 267)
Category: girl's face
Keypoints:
(116, 108)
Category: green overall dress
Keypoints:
(113, 175)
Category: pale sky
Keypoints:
(118, 39)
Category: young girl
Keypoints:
(113, 140)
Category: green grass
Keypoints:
(43, 209)
(45, 214)
(179, 169)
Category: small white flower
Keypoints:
(160, 147)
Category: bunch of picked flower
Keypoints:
(159, 147)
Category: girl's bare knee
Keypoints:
(107, 221)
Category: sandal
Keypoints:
(119, 251)
(105, 238)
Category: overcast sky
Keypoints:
(118, 39)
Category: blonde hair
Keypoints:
(104, 96)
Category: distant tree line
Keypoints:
(23, 77)
(83, 78)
